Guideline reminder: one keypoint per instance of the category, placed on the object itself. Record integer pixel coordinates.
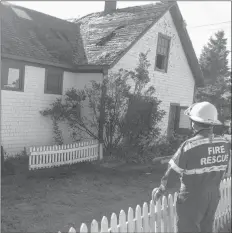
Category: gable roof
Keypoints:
(107, 37)
(96, 40)
(187, 45)
(31, 34)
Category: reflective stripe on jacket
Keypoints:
(200, 163)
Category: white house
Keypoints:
(42, 56)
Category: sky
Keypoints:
(203, 18)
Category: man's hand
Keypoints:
(156, 195)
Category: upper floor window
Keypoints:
(53, 81)
(12, 73)
(162, 52)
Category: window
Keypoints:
(12, 73)
(184, 122)
(162, 52)
(53, 81)
(178, 122)
(20, 13)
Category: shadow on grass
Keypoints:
(55, 199)
(19, 167)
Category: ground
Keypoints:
(53, 200)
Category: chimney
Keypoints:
(110, 6)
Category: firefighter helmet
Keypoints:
(203, 112)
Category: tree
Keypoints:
(217, 77)
(143, 112)
(213, 60)
(122, 89)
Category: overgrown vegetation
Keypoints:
(126, 105)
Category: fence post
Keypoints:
(100, 150)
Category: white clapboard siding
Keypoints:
(53, 156)
(157, 218)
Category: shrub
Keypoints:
(124, 114)
(168, 146)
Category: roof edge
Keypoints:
(75, 68)
(33, 60)
(92, 68)
(187, 45)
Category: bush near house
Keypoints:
(124, 103)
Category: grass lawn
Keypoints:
(53, 200)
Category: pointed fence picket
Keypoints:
(159, 217)
(53, 156)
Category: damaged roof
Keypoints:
(107, 37)
(31, 34)
(98, 39)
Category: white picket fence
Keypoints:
(160, 217)
(58, 155)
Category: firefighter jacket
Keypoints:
(200, 163)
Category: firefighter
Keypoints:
(201, 162)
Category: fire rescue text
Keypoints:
(217, 155)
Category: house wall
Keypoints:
(21, 123)
(175, 86)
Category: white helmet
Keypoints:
(203, 112)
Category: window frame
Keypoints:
(46, 91)
(168, 38)
(178, 129)
(14, 64)
(174, 120)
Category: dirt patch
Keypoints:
(53, 200)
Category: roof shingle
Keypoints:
(43, 37)
(97, 39)
(106, 36)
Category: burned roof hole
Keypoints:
(120, 27)
(105, 39)
(108, 37)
